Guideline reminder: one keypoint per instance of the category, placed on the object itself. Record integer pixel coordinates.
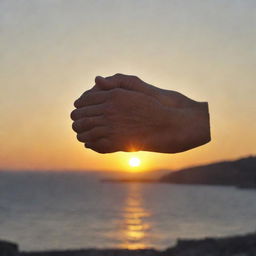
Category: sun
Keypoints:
(134, 162)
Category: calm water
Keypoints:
(73, 210)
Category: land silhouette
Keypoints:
(239, 173)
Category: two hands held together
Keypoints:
(123, 113)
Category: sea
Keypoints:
(73, 210)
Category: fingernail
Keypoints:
(76, 102)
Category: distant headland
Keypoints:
(239, 173)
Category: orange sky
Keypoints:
(50, 52)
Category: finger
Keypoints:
(91, 98)
(94, 88)
(87, 123)
(102, 146)
(93, 134)
(87, 111)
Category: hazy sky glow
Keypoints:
(51, 50)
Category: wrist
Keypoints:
(197, 125)
(188, 127)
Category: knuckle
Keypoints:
(118, 75)
(81, 125)
(77, 103)
(75, 126)
(100, 150)
(73, 114)
(86, 93)
(135, 78)
(80, 137)
(116, 93)
(82, 100)
(102, 147)
(92, 135)
(87, 98)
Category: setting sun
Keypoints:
(134, 162)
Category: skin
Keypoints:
(123, 113)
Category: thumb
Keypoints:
(127, 82)
(117, 81)
(105, 84)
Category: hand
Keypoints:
(133, 83)
(123, 113)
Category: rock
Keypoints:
(244, 245)
(8, 249)
(96, 252)
(240, 245)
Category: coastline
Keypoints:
(240, 173)
(240, 245)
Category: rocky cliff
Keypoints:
(241, 173)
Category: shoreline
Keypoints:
(155, 181)
(240, 245)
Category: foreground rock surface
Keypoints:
(244, 245)
(96, 252)
(235, 246)
(8, 249)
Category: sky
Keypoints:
(51, 51)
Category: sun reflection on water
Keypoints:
(135, 224)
